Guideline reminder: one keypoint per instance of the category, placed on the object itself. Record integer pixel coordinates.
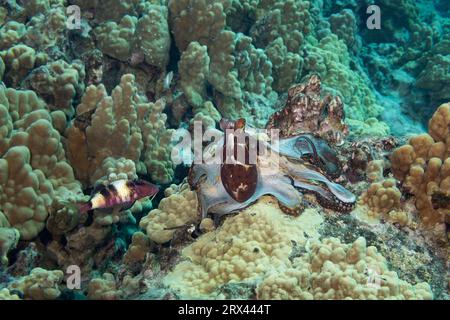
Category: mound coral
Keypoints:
(243, 248)
(148, 34)
(119, 126)
(138, 249)
(40, 284)
(177, 209)
(103, 288)
(239, 73)
(330, 59)
(58, 83)
(256, 247)
(6, 295)
(423, 165)
(108, 288)
(194, 68)
(9, 237)
(382, 199)
(33, 154)
(19, 60)
(333, 270)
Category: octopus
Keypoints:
(307, 109)
(228, 186)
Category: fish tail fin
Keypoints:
(84, 208)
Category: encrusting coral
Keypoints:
(255, 247)
(119, 126)
(148, 34)
(423, 166)
(333, 270)
(382, 199)
(9, 237)
(40, 284)
(58, 83)
(33, 154)
(177, 209)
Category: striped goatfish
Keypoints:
(120, 193)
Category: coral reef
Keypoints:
(332, 270)
(382, 199)
(6, 295)
(33, 154)
(256, 245)
(9, 237)
(119, 126)
(423, 166)
(41, 284)
(351, 202)
(177, 209)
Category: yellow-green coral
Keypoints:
(113, 169)
(40, 284)
(148, 35)
(59, 84)
(329, 57)
(138, 249)
(11, 34)
(333, 270)
(157, 141)
(256, 247)
(103, 288)
(177, 209)
(239, 72)
(19, 61)
(115, 39)
(244, 248)
(194, 69)
(26, 194)
(34, 172)
(9, 237)
(121, 126)
(382, 199)
(423, 165)
(6, 295)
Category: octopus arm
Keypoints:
(301, 173)
(211, 171)
(213, 197)
(290, 148)
(281, 188)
